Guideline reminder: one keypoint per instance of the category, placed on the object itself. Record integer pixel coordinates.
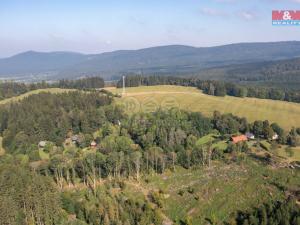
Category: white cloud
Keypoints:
(247, 15)
(212, 12)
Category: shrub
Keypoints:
(181, 192)
(156, 199)
(190, 190)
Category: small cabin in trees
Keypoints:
(250, 136)
(42, 144)
(275, 136)
(74, 139)
(237, 139)
(93, 144)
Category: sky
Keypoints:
(95, 26)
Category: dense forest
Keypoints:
(216, 88)
(52, 117)
(286, 212)
(282, 73)
(10, 89)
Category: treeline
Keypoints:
(219, 88)
(286, 212)
(216, 88)
(10, 89)
(135, 81)
(85, 83)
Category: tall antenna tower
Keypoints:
(123, 93)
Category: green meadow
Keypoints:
(149, 98)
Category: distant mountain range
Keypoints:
(173, 59)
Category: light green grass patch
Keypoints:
(284, 153)
(286, 114)
(221, 145)
(205, 140)
(43, 155)
(265, 145)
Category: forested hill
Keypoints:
(216, 88)
(282, 73)
(163, 60)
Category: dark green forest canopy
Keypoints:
(282, 73)
(49, 117)
(286, 212)
(26, 197)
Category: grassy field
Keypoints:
(293, 154)
(205, 140)
(20, 97)
(152, 97)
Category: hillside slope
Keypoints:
(163, 60)
(281, 73)
(149, 98)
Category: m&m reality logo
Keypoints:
(286, 17)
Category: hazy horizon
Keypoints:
(89, 53)
(92, 26)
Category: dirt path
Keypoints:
(2, 150)
(159, 92)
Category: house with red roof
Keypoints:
(240, 138)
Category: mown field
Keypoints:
(149, 98)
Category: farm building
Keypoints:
(250, 135)
(238, 139)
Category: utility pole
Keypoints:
(123, 93)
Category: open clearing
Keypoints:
(20, 97)
(149, 98)
(212, 192)
(290, 154)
